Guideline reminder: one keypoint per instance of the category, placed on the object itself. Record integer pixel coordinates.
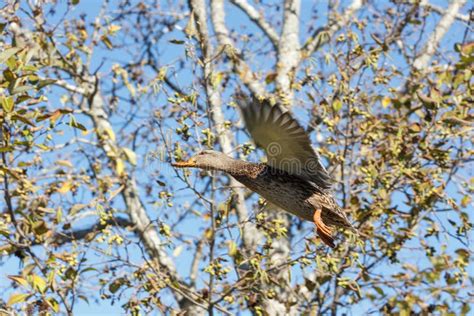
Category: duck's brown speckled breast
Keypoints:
(286, 191)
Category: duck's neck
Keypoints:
(234, 167)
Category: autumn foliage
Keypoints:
(95, 104)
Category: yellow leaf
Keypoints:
(53, 304)
(107, 42)
(131, 156)
(337, 104)
(232, 248)
(190, 29)
(76, 208)
(65, 187)
(17, 298)
(119, 167)
(386, 101)
(83, 34)
(216, 79)
(59, 214)
(64, 163)
(114, 29)
(110, 133)
(7, 53)
(42, 147)
(208, 234)
(19, 279)
(177, 251)
(38, 283)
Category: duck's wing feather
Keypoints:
(285, 142)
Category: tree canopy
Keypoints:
(97, 98)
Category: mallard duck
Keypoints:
(293, 177)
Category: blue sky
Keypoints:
(151, 166)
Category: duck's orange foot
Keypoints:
(323, 231)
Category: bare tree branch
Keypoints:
(223, 38)
(258, 19)
(322, 35)
(435, 8)
(250, 234)
(62, 238)
(433, 41)
(288, 49)
(135, 209)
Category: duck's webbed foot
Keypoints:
(324, 231)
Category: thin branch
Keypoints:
(250, 233)
(62, 238)
(67, 237)
(258, 19)
(223, 38)
(433, 41)
(441, 11)
(322, 35)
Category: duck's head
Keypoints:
(207, 160)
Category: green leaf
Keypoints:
(9, 75)
(379, 290)
(465, 309)
(76, 208)
(177, 42)
(23, 119)
(6, 149)
(115, 285)
(44, 83)
(7, 104)
(87, 270)
(84, 298)
(75, 124)
(21, 89)
(337, 105)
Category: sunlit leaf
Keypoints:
(114, 29)
(39, 283)
(107, 42)
(336, 105)
(65, 163)
(75, 124)
(53, 304)
(119, 167)
(45, 82)
(7, 103)
(65, 187)
(131, 156)
(17, 298)
(7, 53)
(19, 279)
(23, 119)
(386, 102)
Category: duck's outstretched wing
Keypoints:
(285, 142)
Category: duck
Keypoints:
(293, 177)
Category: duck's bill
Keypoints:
(184, 164)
